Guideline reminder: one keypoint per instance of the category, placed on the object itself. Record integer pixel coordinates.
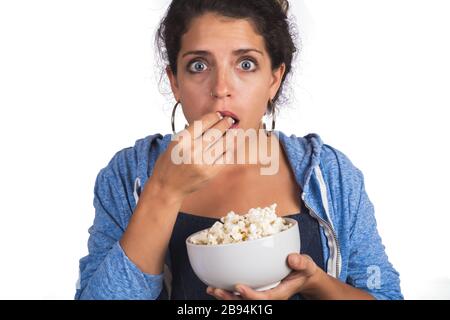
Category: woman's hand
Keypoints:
(148, 233)
(182, 168)
(302, 278)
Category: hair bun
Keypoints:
(284, 4)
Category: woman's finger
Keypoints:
(212, 136)
(207, 121)
(250, 294)
(222, 294)
(230, 143)
(302, 263)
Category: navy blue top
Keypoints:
(187, 286)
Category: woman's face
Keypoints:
(242, 81)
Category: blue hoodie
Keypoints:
(332, 189)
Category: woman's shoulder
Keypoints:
(128, 166)
(138, 156)
(311, 146)
(334, 159)
(117, 179)
(344, 179)
(338, 170)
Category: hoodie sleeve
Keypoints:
(106, 272)
(369, 268)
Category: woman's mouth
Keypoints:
(233, 116)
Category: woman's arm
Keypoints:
(107, 272)
(368, 267)
(148, 234)
(322, 286)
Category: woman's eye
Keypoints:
(196, 66)
(247, 64)
(200, 66)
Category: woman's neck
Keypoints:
(255, 152)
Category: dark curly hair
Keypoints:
(269, 17)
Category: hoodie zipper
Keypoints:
(333, 233)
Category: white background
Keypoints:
(78, 83)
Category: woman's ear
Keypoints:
(173, 82)
(277, 76)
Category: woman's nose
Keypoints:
(221, 87)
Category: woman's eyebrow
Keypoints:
(207, 53)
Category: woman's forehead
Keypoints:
(213, 31)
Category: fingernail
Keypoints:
(240, 289)
(230, 120)
(220, 116)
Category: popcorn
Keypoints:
(234, 228)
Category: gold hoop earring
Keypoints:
(272, 110)
(173, 117)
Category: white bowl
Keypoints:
(260, 264)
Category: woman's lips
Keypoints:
(227, 113)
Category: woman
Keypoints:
(227, 65)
